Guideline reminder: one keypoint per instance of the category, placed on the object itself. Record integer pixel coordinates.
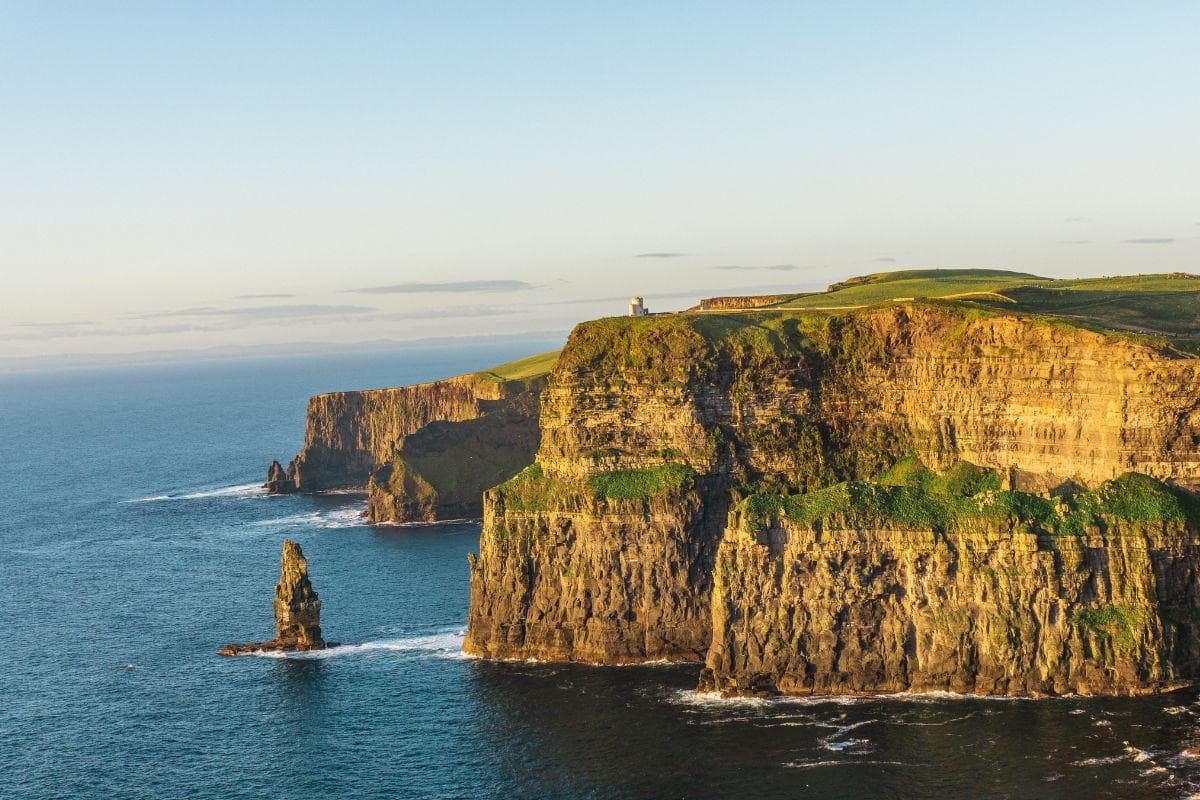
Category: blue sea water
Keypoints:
(134, 542)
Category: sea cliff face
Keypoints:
(839, 608)
(652, 430)
(423, 452)
(579, 578)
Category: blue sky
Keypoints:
(188, 175)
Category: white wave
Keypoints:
(348, 517)
(241, 490)
(1128, 753)
(716, 700)
(1099, 761)
(857, 745)
(848, 763)
(933, 724)
(455, 521)
(691, 697)
(445, 643)
(1177, 710)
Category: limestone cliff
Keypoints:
(297, 610)
(609, 549)
(423, 452)
(567, 575)
(838, 607)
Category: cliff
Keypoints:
(422, 452)
(884, 588)
(573, 574)
(624, 541)
(297, 610)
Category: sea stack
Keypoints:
(278, 480)
(297, 610)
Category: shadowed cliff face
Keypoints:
(349, 434)
(790, 403)
(423, 452)
(442, 470)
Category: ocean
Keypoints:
(134, 541)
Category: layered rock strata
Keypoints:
(598, 580)
(297, 610)
(791, 402)
(839, 608)
(422, 452)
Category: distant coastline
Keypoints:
(70, 361)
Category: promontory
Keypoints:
(966, 480)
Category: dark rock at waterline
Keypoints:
(279, 481)
(297, 611)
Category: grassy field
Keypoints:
(909, 284)
(1162, 304)
(524, 368)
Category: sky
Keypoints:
(183, 176)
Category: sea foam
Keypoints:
(240, 490)
(438, 643)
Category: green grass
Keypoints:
(524, 368)
(672, 349)
(533, 490)
(1158, 304)
(636, 484)
(1118, 622)
(913, 496)
(887, 286)
(1154, 282)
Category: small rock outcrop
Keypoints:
(297, 611)
(278, 480)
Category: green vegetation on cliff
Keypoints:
(911, 495)
(533, 490)
(635, 484)
(523, 369)
(1119, 623)
(911, 284)
(1165, 304)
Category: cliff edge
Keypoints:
(422, 452)
(627, 539)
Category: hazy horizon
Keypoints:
(221, 176)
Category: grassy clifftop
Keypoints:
(523, 369)
(1165, 304)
